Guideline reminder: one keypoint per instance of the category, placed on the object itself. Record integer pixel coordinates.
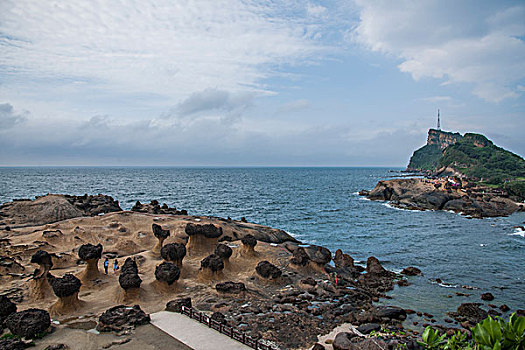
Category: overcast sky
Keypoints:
(230, 82)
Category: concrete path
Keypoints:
(192, 333)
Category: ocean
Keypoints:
(321, 206)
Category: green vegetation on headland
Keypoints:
(474, 156)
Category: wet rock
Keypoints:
(411, 271)
(7, 307)
(122, 317)
(369, 327)
(391, 312)
(177, 304)
(230, 287)
(89, 251)
(28, 323)
(470, 312)
(268, 270)
(207, 230)
(487, 296)
(300, 257)
(223, 251)
(159, 232)
(343, 260)
(212, 262)
(64, 286)
(167, 272)
(504, 308)
(343, 341)
(173, 252)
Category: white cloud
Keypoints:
(470, 42)
(9, 118)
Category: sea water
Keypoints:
(321, 206)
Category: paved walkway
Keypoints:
(192, 333)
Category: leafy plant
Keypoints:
(459, 341)
(432, 339)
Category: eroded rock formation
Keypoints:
(28, 323)
(39, 288)
(66, 289)
(167, 272)
(211, 267)
(91, 254)
(174, 252)
(248, 245)
(161, 235)
(202, 238)
(121, 317)
(267, 270)
(224, 252)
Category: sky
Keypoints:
(254, 83)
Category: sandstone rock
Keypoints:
(223, 251)
(64, 286)
(230, 287)
(177, 304)
(320, 255)
(167, 272)
(159, 232)
(343, 260)
(28, 323)
(249, 240)
(207, 230)
(122, 317)
(173, 252)
(373, 266)
(212, 262)
(7, 307)
(43, 259)
(268, 270)
(130, 266)
(411, 271)
(129, 280)
(89, 251)
(300, 257)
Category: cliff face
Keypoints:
(442, 139)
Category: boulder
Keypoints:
(122, 317)
(391, 312)
(28, 323)
(487, 296)
(373, 266)
(159, 232)
(343, 341)
(173, 252)
(167, 272)
(411, 271)
(130, 266)
(202, 238)
(212, 262)
(300, 257)
(43, 259)
(249, 240)
(223, 251)
(230, 287)
(266, 269)
(7, 307)
(471, 312)
(320, 255)
(90, 252)
(207, 230)
(177, 304)
(129, 280)
(343, 260)
(64, 286)
(369, 327)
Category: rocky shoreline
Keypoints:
(451, 194)
(255, 278)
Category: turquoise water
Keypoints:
(321, 206)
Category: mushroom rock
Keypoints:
(130, 281)
(167, 272)
(248, 245)
(129, 267)
(7, 307)
(39, 288)
(230, 287)
(224, 252)
(319, 257)
(211, 267)
(267, 270)
(28, 323)
(174, 252)
(66, 289)
(121, 317)
(300, 257)
(161, 235)
(343, 260)
(91, 254)
(202, 238)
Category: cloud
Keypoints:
(433, 39)
(213, 99)
(294, 106)
(9, 118)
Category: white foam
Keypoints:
(388, 205)
(518, 231)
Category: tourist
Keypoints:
(106, 265)
(115, 266)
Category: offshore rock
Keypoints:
(122, 317)
(470, 312)
(155, 208)
(411, 271)
(28, 323)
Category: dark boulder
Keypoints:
(212, 262)
(167, 272)
(130, 266)
(219, 317)
(343, 341)
(343, 260)
(129, 280)
(369, 327)
(230, 287)
(12, 344)
(177, 304)
(89, 251)
(300, 257)
(391, 312)
(155, 208)
(411, 271)
(223, 251)
(159, 232)
(207, 230)
(268, 270)
(373, 266)
(7, 307)
(249, 240)
(122, 317)
(320, 255)
(487, 296)
(28, 323)
(64, 286)
(173, 252)
(470, 312)
(43, 259)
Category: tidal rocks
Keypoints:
(266, 269)
(129, 275)
(487, 296)
(373, 266)
(230, 287)
(369, 327)
(223, 251)
(43, 259)
(411, 271)
(177, 304)
(28, 323)
(90, 252)
(173, 252)
(155, 208)
(343, 260)
(167, 272)
(391, 312)
(64, 286)
(212, 262)
(7, 307)
(202, 238)
(161, 235)
(320, 255)
(300, 257)
(470, 312)
(122, 317)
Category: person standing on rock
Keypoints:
(106, 265)
(115, 266)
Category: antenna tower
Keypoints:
(439, 122)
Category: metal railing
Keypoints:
(231, 332)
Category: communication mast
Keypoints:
(439, 122)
